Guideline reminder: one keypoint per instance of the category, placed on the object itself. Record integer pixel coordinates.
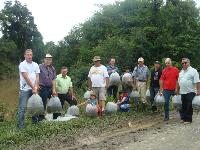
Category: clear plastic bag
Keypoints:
(35, 105)
(111, 107)
(91, 110)
(135, 95)
(115, 79)
(54, 105)
(159, 99)
(87, 94)
(127, 79)
(196, 103)
(73, 111)
(148, 95)
(176, 100)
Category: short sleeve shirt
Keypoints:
(187, 80)
(169, 77)
(63, 84)
(98, 75)
(32, 69)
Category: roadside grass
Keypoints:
(13, 138)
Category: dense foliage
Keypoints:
(127, 30)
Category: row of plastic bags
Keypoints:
(35, 105)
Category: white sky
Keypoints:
(55, 18)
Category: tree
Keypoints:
(17, 24)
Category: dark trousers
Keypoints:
(68, 98)
(187, 110)
(45, 93)
(63, 98)
(153, 92)
(112, 91)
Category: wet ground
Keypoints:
(150, 133)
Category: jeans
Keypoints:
(23, 97)
(153, 92)
(187, 110)
(45, 93)
(112, 90)
(167, 94)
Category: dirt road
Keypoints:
(151, 134)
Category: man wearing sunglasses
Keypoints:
(188, 86)
(168, 81)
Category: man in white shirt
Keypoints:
(98, 81)
(29, 78)
(188, 86)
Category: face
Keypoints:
(28, 56)
(92, 97)
(112, 62)
(156, 66)
(48, 61)
(185, 64)
(168, 63)
(64, 72)
(140, 63)
(97, 63)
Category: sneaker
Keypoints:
(182, 121)
(187, 122)
(166, 118)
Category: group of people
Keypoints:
(42, 79)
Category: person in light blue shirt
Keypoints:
(188, 86)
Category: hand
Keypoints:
(34, 90)
(54, 93)
(106, 86)
(177, 92)
(161, 92)
(198, 93)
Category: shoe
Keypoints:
(187, 122)
(182, 121)
(166, 119)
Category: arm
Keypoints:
(54, 87)
(107, 82)
(89, 83)
(198, 88)
(177, 88)
(161, 85)
(28, 81)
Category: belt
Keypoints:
(142, 80)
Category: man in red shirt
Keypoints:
(168, 81)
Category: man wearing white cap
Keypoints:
(140, 75)
(98, 80)
(47, 82)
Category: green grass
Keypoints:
(11, 137)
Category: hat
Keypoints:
(96, 58)
(157, 62)
(140, 59)
(48, 56)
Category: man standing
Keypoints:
(47, 82)
(112, 89)
(168, 82)
(188, 86)
(98, 81)
(29, 77)
(140, 75)
(64, 87)
(154, 83)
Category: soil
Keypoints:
(145, 134)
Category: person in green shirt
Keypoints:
(64, 88)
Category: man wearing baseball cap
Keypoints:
(140, 75)
(154, 83)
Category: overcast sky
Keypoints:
(55, 18)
